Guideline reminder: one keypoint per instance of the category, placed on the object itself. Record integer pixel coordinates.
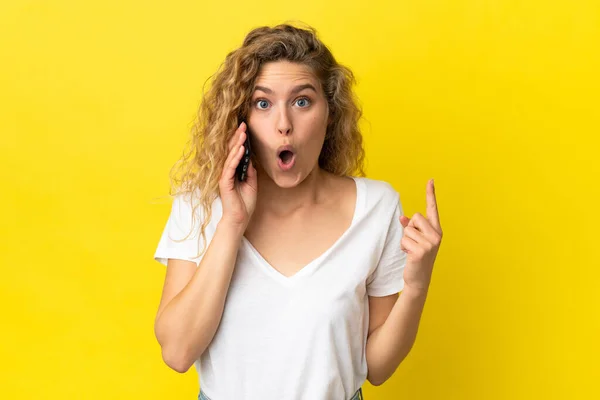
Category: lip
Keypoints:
(291, 163)
(288, 147)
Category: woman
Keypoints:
(284, 286)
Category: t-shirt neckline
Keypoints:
(313, 264)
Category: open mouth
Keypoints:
(286, 157)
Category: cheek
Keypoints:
(317, 137)
(316, 143)
(314, 136)
(260, 148)
(312, 149)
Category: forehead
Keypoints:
(281, 75)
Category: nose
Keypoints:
(284, 125)
(285, 131)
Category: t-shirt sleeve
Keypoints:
(179, 239)
(387, 278)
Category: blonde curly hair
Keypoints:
(227, 102)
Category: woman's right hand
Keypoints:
(238, 198)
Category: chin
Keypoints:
(286, 180)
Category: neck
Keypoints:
(285, 201)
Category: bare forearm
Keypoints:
(389, 344)
(189, 322)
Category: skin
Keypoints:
(288, 117)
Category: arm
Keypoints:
(390, 341)
(393, 326)
(193, 299)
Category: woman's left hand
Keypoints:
(421, 240)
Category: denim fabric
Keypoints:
(357, 396)
(202, 396)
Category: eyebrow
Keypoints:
(297, 89)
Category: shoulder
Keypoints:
(379, 193)
(187, 207)
(183, 204)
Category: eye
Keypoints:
(306, 101)
(261, 101)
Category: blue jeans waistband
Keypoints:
(357, 396)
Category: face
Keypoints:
(288, 119)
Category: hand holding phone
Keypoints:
(241, 172)
(238, 199)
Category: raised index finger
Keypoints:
(432, 210)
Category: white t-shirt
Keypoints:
(300, 337)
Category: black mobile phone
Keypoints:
(241, 172)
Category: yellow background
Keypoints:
(496, 100)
